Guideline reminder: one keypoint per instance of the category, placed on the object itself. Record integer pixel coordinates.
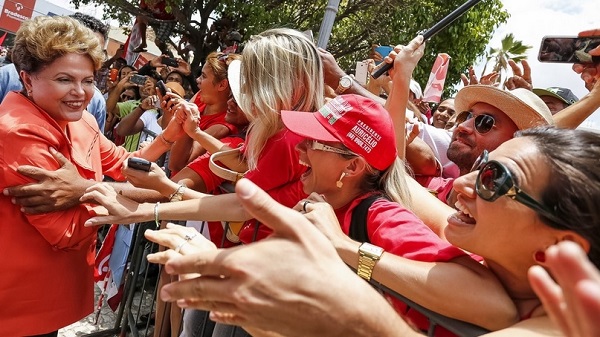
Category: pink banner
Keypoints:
(435, 84)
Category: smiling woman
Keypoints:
(56, 59)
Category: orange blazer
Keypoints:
(46, 264)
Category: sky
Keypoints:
(529, 21)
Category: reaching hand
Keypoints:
(53, 191)
(488, 79)
(120, 209)
(331, 70)
(520, 79)
(234, 280)
(405, 58)
(571, 296)
(152, 180)
(590, 73)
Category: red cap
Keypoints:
(361, 124)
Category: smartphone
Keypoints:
(568, 49)
(169, 61)
(139, 164)
(383, 51)
(161, 87)
(361, 74)
(138, 79)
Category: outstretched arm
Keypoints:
(405, 60)
(438, 286)
(233, 280)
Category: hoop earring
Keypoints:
(339, 183)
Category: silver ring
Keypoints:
(188, 237)
(304, 205)
(178, 248)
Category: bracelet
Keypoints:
(178, 194)
(165, 141)
(156, 215)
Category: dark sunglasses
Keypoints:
(495, 180)
(483, 123)
(127, 97)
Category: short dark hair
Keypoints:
(574, 190)
(92, 23)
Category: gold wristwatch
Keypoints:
(344, 84)
(368, 255)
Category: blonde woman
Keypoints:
(281, 70)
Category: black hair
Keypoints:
(574, 190)
(92, 23)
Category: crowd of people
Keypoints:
(484, 209)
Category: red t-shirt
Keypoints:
(278, 172)
(207, 121)
(441, 186)
(398, 231)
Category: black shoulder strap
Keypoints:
(358, 224)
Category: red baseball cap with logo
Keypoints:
(361, 124)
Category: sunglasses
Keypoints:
(495, 180)
(127, 97)
(224, 58)
(315, 145)
(483, 123)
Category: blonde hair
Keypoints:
(392, 182)
(281, 70)
(43, 39)
(219, 63)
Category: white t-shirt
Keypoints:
(150, 120)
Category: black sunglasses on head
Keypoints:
(483, 123)
(495, 180)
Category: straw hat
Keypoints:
(522, 106)
(176, 88)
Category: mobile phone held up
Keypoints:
(161, 87)
(568, 49)
(139, 164)
(361, 73)
(169, 61)
(138, 79)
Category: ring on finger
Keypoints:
(188, 237)
(304, 205)
(178, 248)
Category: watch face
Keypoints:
(346, 82)
(371, 249)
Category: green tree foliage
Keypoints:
(358, 25)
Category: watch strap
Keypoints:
(368, 255)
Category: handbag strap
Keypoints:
(224, 172)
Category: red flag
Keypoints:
(101, 269)
(2, 38)
(435, 84)
(133, 40)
